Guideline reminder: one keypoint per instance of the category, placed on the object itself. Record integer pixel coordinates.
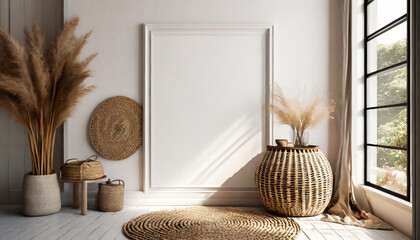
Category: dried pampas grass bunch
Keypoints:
(300, 113)
(40, 86)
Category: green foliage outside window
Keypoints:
(392, 122)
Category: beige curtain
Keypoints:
(344, 207)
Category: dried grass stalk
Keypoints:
(300, 113)
(41, 86)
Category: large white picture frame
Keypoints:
(234, 64)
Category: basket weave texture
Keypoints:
(111, 196)
(294, 181)
(116, 128)
(82, 170)
(215, 223)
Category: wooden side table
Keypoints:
(84, 191)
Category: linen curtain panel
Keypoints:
(344, 207)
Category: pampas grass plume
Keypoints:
(41, 85)
(300, 112)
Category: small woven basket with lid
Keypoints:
(294, 181)
(82, 170)
(111, 196)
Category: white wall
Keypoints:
(307, 49)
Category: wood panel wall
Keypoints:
(15, 158)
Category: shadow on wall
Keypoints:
(219, 158)
(250, 196)
(335, 56)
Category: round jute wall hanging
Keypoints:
(116, 128)
(211, 223)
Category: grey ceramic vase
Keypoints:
(41, 195)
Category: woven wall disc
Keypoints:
(116, 128)
(211, 223)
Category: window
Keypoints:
(386, 44)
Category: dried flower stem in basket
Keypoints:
(300, 113)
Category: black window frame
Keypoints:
(367, 74)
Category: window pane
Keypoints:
(387, 126)
(388, 49)
(388, 168)
(387, 88)
(382, 12)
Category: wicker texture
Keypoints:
(294, 181)
(111, 196)
(116, 128)
(211, 223)
(82, 170)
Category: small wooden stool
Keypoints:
(84, 191)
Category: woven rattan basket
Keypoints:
(111, 196)
(82, 170)
(294, 181)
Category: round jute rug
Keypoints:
(116, 128)
(211, 223)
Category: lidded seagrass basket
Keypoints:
(82, 170)
(111, 196)
(294, 181)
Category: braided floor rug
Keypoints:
(211, 223)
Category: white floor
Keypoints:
(313, 228)
(69, 224)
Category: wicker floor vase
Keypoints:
(294, 181)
